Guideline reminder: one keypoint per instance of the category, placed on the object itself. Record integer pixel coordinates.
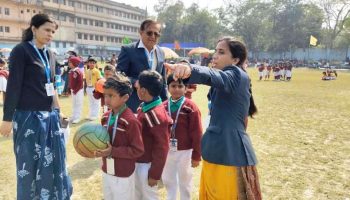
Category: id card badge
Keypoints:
(110, 166)
(50, 91)
(173, 144)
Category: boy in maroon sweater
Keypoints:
(126, 142)
(185, 138)
(76, 86)
(109, 71)
(155, 134)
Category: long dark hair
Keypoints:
(36, 21)
(238, 50)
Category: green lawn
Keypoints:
(301, 136)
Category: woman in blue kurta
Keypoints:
(31, 108)
(228, 157)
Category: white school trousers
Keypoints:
(143, 190)
(118, 188)
(3, 84)
(177, 173)
(77, 99)
(94, 104)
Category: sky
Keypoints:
(209, 4)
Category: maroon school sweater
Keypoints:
(127, 145)
(188, 130)
(155, 134)
(75, 80)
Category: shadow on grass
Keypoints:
(84, 169)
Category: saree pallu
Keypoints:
(40, 152)
(220, 182)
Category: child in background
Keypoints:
(4, 74)
(185, 138)
(261, 69)
(109, 71)
(155, 134)
(190, 88)
(92, 75)
(126, 142)
(76, 86)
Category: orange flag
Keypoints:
(177, 45)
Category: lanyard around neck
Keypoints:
(115, 122)
(45, 62)
(173, 127)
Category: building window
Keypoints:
(71, 19)
(79, 36)
(71, 3)
(0, 10)
(55, 1)
(85, 6)
(7, 29)
(79, 20)
(85, 36)
(57, 44)
(22, 12)
(1, 29)
(62, 18)
(7, 11)
(91, 22)
(71, 44)
(85, 22)
(91, 37)
(96, 37)
(101, 38)
(64, 44)
(34, 11)
(78, 4)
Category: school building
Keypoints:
(87, 26)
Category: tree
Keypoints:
(279, 25)
(198, 25)
(188, 25)
(170, 18)
(336, 13)
(294, 23)
(248, 20)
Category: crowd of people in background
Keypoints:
(281, 71)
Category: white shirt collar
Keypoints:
(141, 45)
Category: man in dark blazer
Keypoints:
(142, 55)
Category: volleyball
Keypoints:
(99, 85)
(89, 138)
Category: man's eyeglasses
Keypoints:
(151, 33)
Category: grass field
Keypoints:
(301, 136)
